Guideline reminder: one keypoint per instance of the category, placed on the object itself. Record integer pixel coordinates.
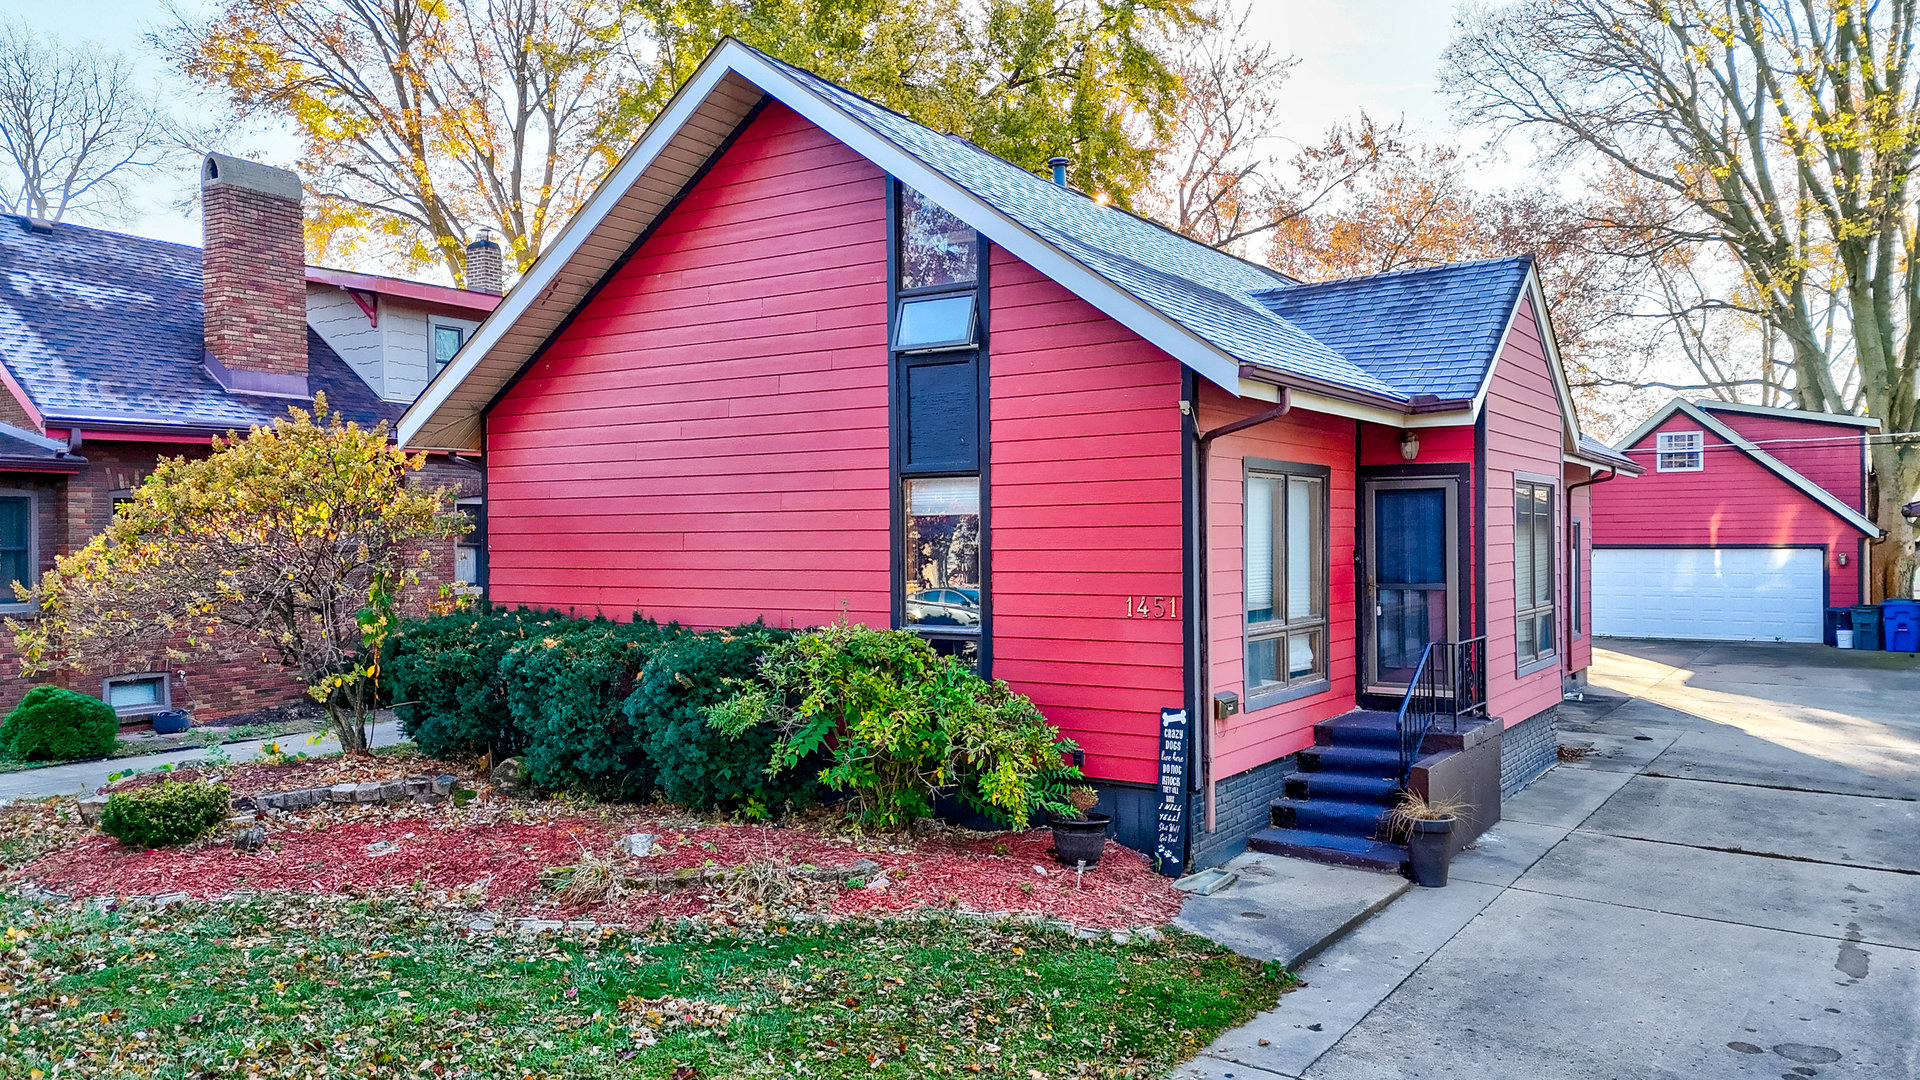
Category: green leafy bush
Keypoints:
(167, 813)
(567, 690)
(442, 675)
(899, 723)
(56, 724)
(694, 764)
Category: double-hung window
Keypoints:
(1681, 451)
(937, 337)
(1533, 571)
(16, 547)
(1286, 580)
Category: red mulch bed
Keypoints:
(441, 849)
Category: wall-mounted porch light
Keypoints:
(1409, 446)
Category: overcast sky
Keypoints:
(1379, 56)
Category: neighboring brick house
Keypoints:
(117, 350)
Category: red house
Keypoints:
(801, 357)
(1748, 523)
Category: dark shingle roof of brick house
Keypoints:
(105, 327)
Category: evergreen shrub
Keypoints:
(52, 723)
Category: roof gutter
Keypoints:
(1286, 380)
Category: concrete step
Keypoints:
(1330, 848)
(1367, 761)
(1330, 816)
(1343, 786)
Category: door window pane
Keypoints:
(943, 551)
(936, 248)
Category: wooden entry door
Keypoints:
(1412, 575)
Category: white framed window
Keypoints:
(138, 695)
(1681, 451)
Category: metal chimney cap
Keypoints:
(1059, 165)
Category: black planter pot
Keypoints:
(172, 722)
(1075, 842)
(1427, 851)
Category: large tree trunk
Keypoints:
(1896, 467)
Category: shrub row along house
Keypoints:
(116, 351)
(800, 358)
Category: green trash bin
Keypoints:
(1866, 626)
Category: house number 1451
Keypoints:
(1153, 607)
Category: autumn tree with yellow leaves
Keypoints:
(298, 539)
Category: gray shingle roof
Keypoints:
(19, 447)
(1399, 335)
(106, 327)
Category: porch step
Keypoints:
(1369, 761)
(1329, 816)
(1362, 727)
(1330, 848)
(1379, 790)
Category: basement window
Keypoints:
(1681, 451)
(137, 695)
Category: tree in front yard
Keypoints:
(298, 539)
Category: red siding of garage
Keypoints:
(1734, 501)
(1831, 455)
(1262, 735)
(1525, 435)
(707, 441)
(1086, 513)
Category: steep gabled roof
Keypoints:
(1430, 334)
(1868, 422)
(1772, 464)
(102, 327)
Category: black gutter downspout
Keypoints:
(1197, 606)
(1189, 575)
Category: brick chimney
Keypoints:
(253, 270)
(486, 266)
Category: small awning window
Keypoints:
(935, 322)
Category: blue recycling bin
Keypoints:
(1900, 624)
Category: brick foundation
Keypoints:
(1529, 748)
(1242, 806)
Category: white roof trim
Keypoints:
(1775, 465)
(1790, 414)
(730, 57)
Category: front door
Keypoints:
(1411, 570)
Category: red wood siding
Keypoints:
(1831, 455)
(1381, 445)
(1257, 737)
(1734, 500)
(1524, 435)
(707, 441)
(1086, 513)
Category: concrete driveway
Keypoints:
(1728, 885)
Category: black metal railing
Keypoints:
(1449, 683)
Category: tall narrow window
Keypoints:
(937, 331)
(16, 546)
(1574, 563)
(1286, 579)
(1533, 571)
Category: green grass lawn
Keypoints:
(314, 986)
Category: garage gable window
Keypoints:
(1681, 451)
(1533, 573)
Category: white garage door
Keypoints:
(1709, 594)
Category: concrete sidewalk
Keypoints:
(82, 777)
(1726, 887)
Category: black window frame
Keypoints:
(1537, 492)
(965, 462)
(1575, 609)
(1283, 628)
